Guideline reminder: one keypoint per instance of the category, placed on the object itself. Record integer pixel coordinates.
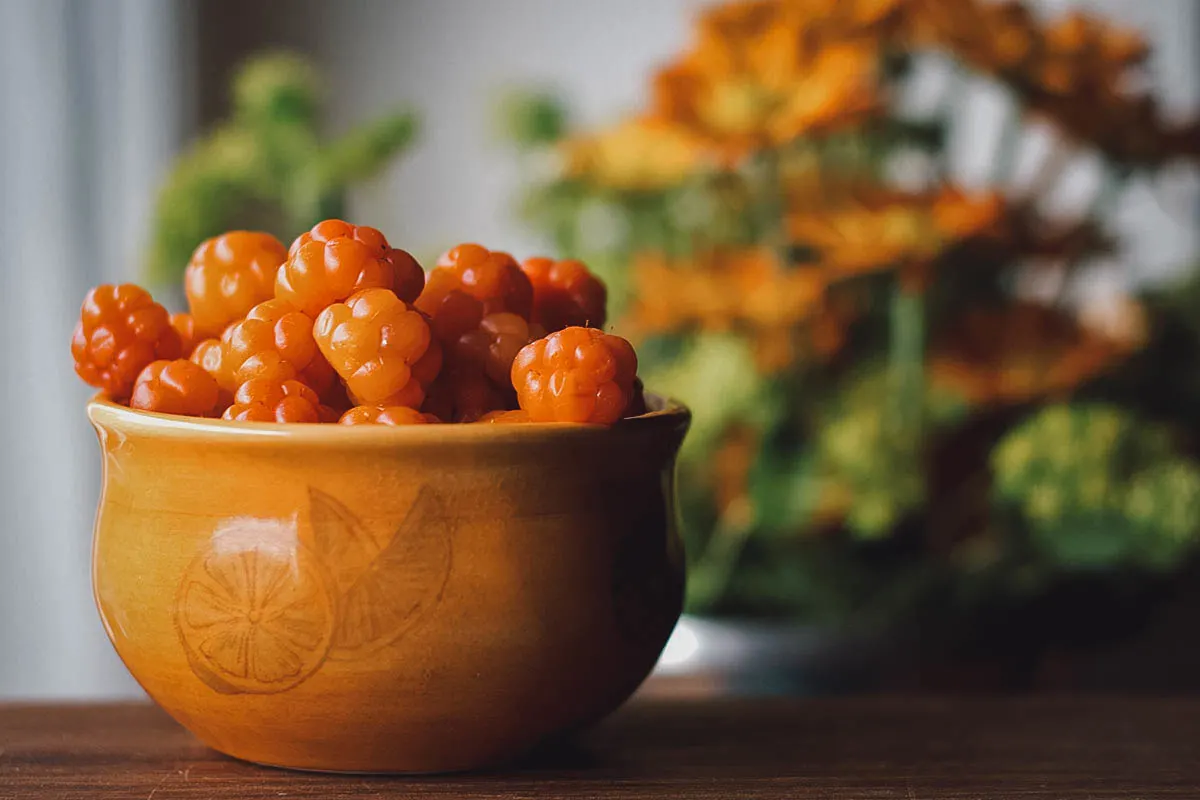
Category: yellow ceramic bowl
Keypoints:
(410, 599)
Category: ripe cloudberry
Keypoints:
(273, 341)
(386, 415)
(494, 343)
(565, 294)
(331, 262)
(457, 313)
(408, 278)
(464, 394)
(273, 400)
(185, 326)
(491, 277)
(176, 387)
(229, 275)
(374, 341)
(505, 417)
(121, 330)
(575, 375)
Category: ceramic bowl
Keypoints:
(410, 599)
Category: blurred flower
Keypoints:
(1082, 53)
(783, 313)
(721, 292)
(757, 78)
(877, 229)
(1021, 353)
(639, 154)
(997, 38)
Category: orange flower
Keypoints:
(640, 154)
(876, 229)
(728, 290)
(759, 77)
(1020, 354)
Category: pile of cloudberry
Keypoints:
(343, 327)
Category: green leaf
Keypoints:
(532, 119)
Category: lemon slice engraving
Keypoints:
(254, 611)
(383, 587)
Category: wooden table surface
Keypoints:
(736, 748)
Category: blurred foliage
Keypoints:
(266, 166)
(884, 416)
(1097, 488)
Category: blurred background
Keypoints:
(922, 268)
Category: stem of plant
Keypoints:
(906, 361)
(713, 571)
(773, 206)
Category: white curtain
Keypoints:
(89, 116)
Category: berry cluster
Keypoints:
(343, 327)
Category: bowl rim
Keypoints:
(104, 413)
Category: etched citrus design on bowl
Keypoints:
(384, 585)
(254, 612)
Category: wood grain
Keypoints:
(908, 749)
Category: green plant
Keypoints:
(266, 166)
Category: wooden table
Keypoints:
(737, 748)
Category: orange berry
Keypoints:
(464, 394)
(424, 372)
(495, 343)
(273, 400)
(185, 326)
(175, 387)
(565, 294)
(374, 341)
(491, 277)
(229, 275)
(386, 415)
(505, 417)
(121, 330)
(409, 278)
(273, 341)
(576, 375)
(209, 355)
(331, 262)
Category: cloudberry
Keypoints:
(273, 400)
(408, 278)
(386, 415)
(424, 372)
(331, 262)
(209, 355)
(121, 330)
(175, 387)
(505, 417)
(495, 343)
(273, 341)
(575, 375)
(373, 340)
(464, 394)
(457, 313)
(491, 277)
(229, 275)
(565, 294)
(185, 326)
